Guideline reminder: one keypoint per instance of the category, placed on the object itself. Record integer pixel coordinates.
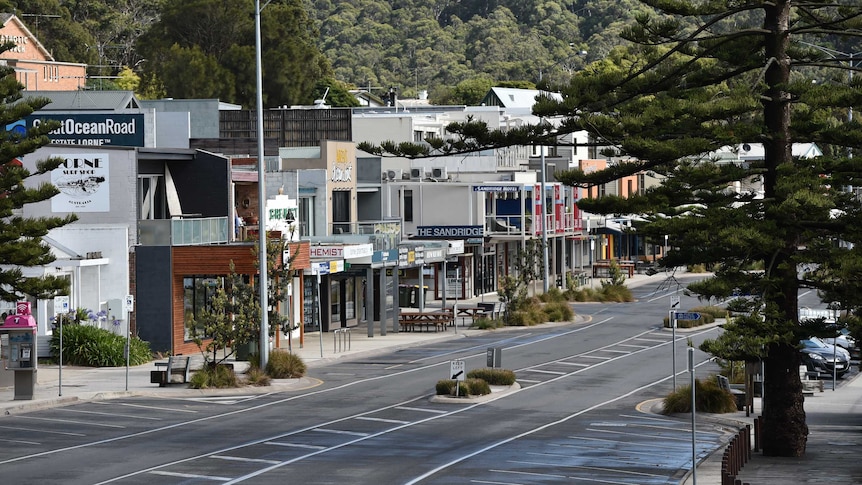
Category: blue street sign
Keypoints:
(686, 316)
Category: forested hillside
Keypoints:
(205, 47)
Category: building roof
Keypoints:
(514, 99)
(87, 100)
(8, 17)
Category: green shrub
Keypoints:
(615, 293)
(553, 295)
(285, 365)
(255, 376)
(86, 345)
(493, 376)
(712, 310)
(214, 376)
(709, 399)
(558, 311)
(477, 387)
(470, 387)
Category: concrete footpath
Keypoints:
(834, 417)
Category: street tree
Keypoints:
(206, 49)
(679, 93)
(231, 317)
(21, 244)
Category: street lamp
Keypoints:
(261, 191)
(544, 222)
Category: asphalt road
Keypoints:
(372, 421)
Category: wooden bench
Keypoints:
(738, 394)
(439, 320)
(177, 365)
(492, 310)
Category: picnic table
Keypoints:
(438, 320)
(471, 312)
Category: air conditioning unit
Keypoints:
(394, 174)
(417, 174)
(439, 173)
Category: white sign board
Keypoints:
(128, 304)
(458, 370)
(674, 301)
(61, 304)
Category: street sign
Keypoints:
(687, 316)
(129, 304)
(61, 304)
(457, 369)
(674, 301)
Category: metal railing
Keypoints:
(341, 339)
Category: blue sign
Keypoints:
(449, 232)
(105, 129)
(686, 316)
(496, 188)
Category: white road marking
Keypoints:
(295, 445)
(239, 458)
(382, 420)
(190, 475)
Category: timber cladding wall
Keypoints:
(214, 261)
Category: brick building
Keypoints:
(34, 66)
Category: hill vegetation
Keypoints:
(205, 48)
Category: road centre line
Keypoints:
(20, 442)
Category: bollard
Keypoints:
(748, 442)
(757, 434)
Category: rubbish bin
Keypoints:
(405, 295)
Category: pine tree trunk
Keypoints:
(784, 432)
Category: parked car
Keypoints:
(821, 359)
(843, 340)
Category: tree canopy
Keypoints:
(21, 244)
(700, 77)
(206, 49)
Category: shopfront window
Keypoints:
(198, 292)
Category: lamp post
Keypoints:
(544, 220)
(261, 191)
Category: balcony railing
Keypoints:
(183, 232)
(522, 225)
